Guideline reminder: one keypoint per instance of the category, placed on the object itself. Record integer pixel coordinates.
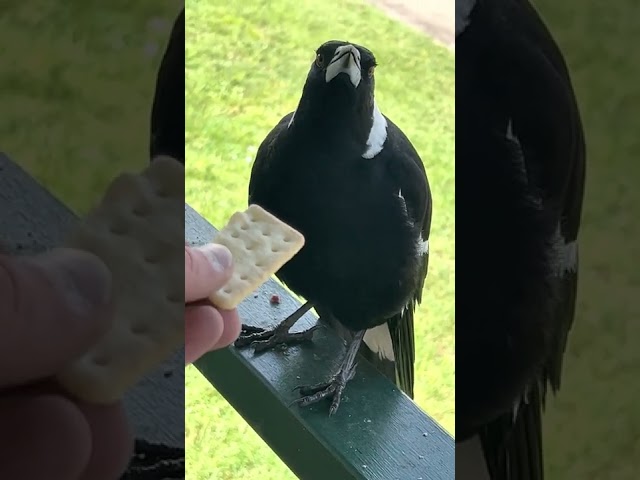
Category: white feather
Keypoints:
(377, 134)
(378, 339)
(566, 255)
(422, 244)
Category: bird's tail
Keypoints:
(513, 446)
(390, 348)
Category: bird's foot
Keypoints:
(264, 339)
(331, 389)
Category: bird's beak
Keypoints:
(345, 60)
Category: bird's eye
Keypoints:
(320, 60)
(372, 69)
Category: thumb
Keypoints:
(206, 270)
(52, 308)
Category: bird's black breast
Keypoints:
(359, 258)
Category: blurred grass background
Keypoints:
(245, 67)
(76, 89)
(593, 427)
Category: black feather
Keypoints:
(512, 73)
(167, 113)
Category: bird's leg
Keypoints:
(263, 339)
(334, 387)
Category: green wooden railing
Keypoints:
(378, 432)
(32, 220)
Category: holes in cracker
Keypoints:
(139, 329)
(235, 234)
(244, 227)
(118, 228)
(275, 249)
(140, 210)
(100, 360)
(227, 290)
(244, 277)
(250, 245)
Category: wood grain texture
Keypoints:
(32, 220)
(377, 434)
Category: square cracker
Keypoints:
(260, 244)
(137, 229)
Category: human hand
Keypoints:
(206, 270)
(53, 307)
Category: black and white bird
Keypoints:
(350, 181)
(520, 173)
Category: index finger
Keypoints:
(206, 270)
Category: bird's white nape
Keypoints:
(377, 134)
(463, 12)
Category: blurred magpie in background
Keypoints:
(167, 113)
(346, 177)
(520, 172)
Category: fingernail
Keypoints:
(81, 278)
(219, 256)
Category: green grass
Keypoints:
(593, 427)
(77, 87)
(246, 65)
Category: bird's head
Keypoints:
(343, 70)
(338, 95)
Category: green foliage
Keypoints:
(77, 88)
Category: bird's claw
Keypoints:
(262, 339)
(333, 388)
(249, 329)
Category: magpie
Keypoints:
(520, 175)
(345, 176)
(167, 111)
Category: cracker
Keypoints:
(260, 244)
(137, 229)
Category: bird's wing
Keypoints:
(408, 171)
(555, 160)
(263, 164)
(167, 113)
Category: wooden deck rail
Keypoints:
(378, 432)
(32, 220)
